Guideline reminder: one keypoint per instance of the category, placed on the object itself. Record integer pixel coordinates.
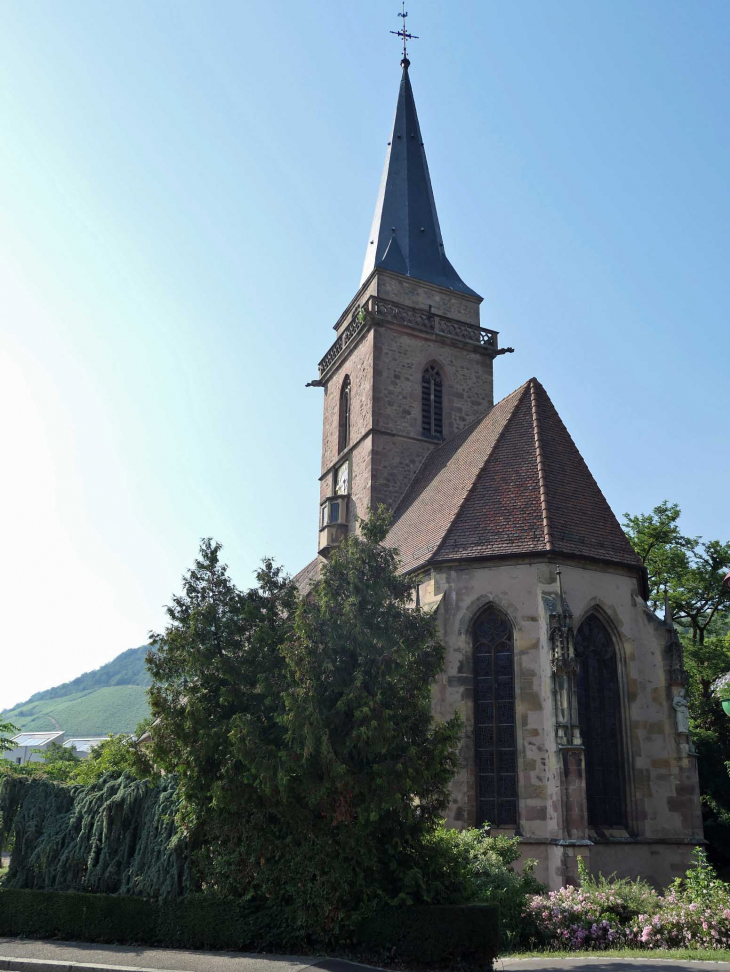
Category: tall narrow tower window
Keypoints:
(599, 714)
(494, 720)
(432, 403)
(344, 433)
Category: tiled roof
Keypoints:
(513, 482)
(308, 575)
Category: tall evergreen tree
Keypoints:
(312, 773)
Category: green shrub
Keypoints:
(701, 885)
(83, 917)
(213, 921)
(196, 921)
(473, 867)
(628, 898)
(431, 935)
(434, 935)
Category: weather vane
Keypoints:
(405, 35)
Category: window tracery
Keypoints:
(494, 719)
(599, 714)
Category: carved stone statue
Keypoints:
(681, 709)
(565, 669)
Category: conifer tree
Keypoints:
(219, 663)
(116, 836)
(312, 773)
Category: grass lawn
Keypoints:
(609, 954)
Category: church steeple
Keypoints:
(405, 237)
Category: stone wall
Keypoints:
(396, 461)
(661, 779)
(358, 366)
(400, 357)
(424, 296)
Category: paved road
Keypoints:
(66, 954)
(22, 955)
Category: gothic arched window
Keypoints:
(432, 403)
(344, 427)
(599, 714)
(494, 719)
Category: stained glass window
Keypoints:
(599, 714)
(494, 720)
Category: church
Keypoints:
(571, 690)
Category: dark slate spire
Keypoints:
(405, 236)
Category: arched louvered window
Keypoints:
(599, 714)
(432, 403)
(344, 428)
(494, 719)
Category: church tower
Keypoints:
(410, 365)
(570, 689)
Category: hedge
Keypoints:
(431, 935)
(437, 936)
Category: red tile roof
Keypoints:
(513, 482)
(308, 575)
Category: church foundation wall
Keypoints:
(658, 863)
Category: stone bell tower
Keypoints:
(410, 365)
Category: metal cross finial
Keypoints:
(405, 35)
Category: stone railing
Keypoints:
(377, 308)
(360, 320)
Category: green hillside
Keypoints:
(112, 698)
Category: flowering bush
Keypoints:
(695, 913)
(593, 915)
(721, 687)
(570, 918)
(609, 912)
(681, 924)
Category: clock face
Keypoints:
(342, 487)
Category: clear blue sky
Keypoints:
(186, 190)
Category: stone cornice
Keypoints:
(378, 310)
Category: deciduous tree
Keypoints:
(689, 572)
(6, 729)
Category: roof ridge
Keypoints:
(540, 466)
(496, 442)
(586, 467)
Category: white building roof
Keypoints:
(35, 739)
(85, 744)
